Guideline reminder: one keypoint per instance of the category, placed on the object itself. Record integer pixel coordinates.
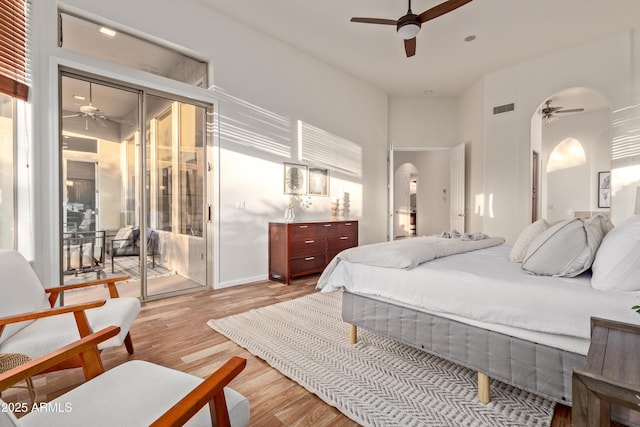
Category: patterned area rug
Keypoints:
(377, 382)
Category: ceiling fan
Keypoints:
(89, 111)
(548, 112)
(409, 25)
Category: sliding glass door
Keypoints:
(175, 200)
(134, 188)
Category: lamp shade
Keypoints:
(408, 31)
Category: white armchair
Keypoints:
(31, 325)
(134, 394)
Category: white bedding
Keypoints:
(484, 288)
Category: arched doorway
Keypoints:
(571, 145)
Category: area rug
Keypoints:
(378, 381)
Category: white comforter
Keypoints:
(406, 254)
(484, 286)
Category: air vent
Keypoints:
(504, 108)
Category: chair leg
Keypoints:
(128, 343)
(32, 390)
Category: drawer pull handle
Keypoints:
(309, 241)
(347, 224)
(344, 238)
(310, 258)
(304, 226)
(327, 225)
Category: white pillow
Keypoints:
(601, 223)
(617, 263)
(530, 232)
(122, 236)
(565, 249)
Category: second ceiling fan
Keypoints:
(409, 25)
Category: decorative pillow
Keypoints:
(617, 263)
(122, 236)
(531, 231)
(565, 249)
(602, 223)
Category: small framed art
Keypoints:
(295, 178)
(318, 182)
(604, 189)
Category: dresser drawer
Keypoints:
(337, 244)
(309, 264)
(299, 231)
(345, 228)
(307, 246)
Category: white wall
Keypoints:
(423, 122)
(472, 133)
(253, 73)
(604, 65)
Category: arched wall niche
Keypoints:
(573, 154)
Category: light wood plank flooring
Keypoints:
(173, 332)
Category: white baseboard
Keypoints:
(242, 281)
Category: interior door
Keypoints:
(402, 204)
(457, 196)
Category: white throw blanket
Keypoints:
(406, 253)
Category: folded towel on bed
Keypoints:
(455, 234)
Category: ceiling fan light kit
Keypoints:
(408, 26)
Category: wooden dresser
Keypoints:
(301, 248)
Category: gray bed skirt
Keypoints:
(537, 368)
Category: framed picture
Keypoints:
(604, 189)
(318, 182)
(295, 178)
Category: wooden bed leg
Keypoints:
(353, 334)
(484, 393)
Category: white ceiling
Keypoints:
(507, 32)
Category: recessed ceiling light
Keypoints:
(470, 38)
(79, 97)
(108, 31)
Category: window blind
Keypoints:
(14, 50)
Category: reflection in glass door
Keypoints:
(176, 158)
(150, 225)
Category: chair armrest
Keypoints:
(50, 312)
(86, 346)
(78, 311)
(110, 282)
(210, 390)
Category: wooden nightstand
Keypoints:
(611, 375)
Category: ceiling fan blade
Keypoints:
(375, 21)
(441, 9)
(410, 47)
(572, 110)
(72, 115)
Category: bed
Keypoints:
(480, 309)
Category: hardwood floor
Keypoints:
(173, 332)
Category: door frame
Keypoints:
(391, 182)
(104, 71)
